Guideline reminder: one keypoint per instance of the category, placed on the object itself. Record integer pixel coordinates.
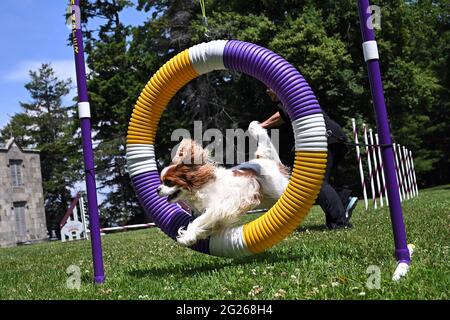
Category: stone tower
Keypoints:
(22, 214)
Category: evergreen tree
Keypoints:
(45, 124)
(321, 38)
(112, 94)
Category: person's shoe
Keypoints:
(340, 226)
(351, 205)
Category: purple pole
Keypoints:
(373, 67)
(85, 119)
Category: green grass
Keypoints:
(310, 264)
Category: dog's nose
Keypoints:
(158, 190)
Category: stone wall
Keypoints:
(30, 193)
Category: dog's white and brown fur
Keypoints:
(221, 196)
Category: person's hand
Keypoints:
(274, 121)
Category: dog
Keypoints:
(219, 196)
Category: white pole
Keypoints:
(405, 173)
(133, 226)
(83, 216)
(402, 170)
(380, 158)
(75, 218)
(359, 160)
(408, 172)
(408, 154)
(399, 179)
(369, 163)
(414, 173)
(75, 214)
(376, 167)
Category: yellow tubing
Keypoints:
(263, 233)
(158, 92)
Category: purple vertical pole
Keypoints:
(85, 120)
(373, 67)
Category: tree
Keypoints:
(47, 125)
(112, 91)
(321, 38)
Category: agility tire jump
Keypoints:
(300, 104)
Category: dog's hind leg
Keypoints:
(265, 149)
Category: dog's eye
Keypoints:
(169, 183)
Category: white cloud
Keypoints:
(63, 69)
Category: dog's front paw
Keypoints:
(186, 238)
(255, 129)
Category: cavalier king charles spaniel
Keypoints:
(218, 196)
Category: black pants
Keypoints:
(333, 200)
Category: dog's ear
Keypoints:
(179, 175)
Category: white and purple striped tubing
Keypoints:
(297, 98)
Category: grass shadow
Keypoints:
(192, 270)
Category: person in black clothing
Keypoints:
(337, 204)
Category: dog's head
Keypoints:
(190, 169)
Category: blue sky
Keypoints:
(34, 32)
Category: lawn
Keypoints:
(311, 263)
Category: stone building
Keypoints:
(22, 215)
